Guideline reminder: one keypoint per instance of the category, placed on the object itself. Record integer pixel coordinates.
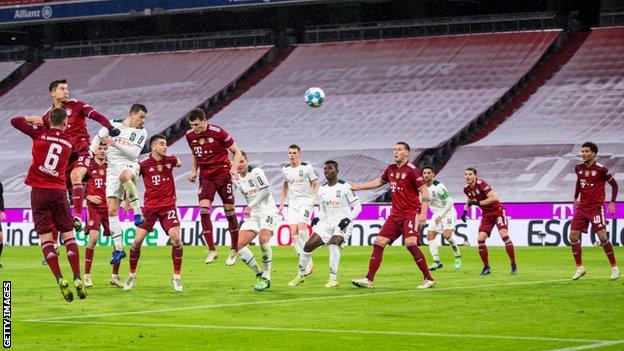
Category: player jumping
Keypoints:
(300, 187)
(260, 220)
(210, 145)
(339, 206)
(160, 204)
(480, 194)
(406, 216)
(123, 169)
(590, 186)
(50, 208)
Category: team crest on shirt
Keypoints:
(593, 173)
(210, 140)
(68, 111)
(168, 165)
(202, 141)
(403, 175)
(91, 223)
(159, 168)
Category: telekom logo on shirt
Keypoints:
(156, 179)
(98, 183)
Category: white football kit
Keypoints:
(336, 203)
(263, 212)
(124, 155)
(442, 206)
(300, 193)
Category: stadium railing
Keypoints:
(435, 26)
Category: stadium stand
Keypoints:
(531, 156)
(8, 67)
(169, 84)
(420, 90)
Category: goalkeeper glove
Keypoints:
(315, 220)
(113, 132)
(344, 223)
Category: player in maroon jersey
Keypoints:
(589, 198)
(407, 215)
(46, 176)
(97, 211)
(480, 194)
(210, 145)
(160, 204)
(77, 114)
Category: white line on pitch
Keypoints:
(280, 301)
(592, 346)
(332, 331)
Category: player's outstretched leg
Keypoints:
(117, 236)
(334, 263)
(135, 254)
(133, 196)
(509, 248)
(176, 256)
(373, 266)
(450, 238)
(304, 260)
(411, 244)
(483, 253)
(433, 249)
(204, 214)
(77, 200)
(608, 250)
(304, 237)
(248, 258)
(233, 228)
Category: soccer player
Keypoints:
(123, 169)
(50, 208)
(300, 188)
(339, 206)
(589, 197)
(160, 204)
(406, 216)
(77, 113)
(443, 219)
(480, 194)
(260, 220)
(2, 218)
(97, 211)
(210, 145)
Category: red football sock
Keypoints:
(420, 260)
(77, 198)
(73, 256)
(204, 214)
(50, 256)
(510, 250)
(116, 268)
(176, 256)
(577, 252)
(375, 261)
(88, 259)
(608, 249)
(135, 254)
(483, 252)
(233, 227)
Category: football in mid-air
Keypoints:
(315, 97)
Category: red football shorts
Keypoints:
(589, 214)
(222, 184)
(50, 209)
(397, 225)
(167, 215)
(496, 218)
(96, 217)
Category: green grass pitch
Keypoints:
(539, 309)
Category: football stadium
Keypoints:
(312, 174)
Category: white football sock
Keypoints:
(304, 259)
(433, 248)
(334, 261)
(116, 232)
(267, 257)
(247, 256)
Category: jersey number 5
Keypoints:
(52, 159)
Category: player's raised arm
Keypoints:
(25, 125)
(97, 139)
(373, 184)
(90, 113)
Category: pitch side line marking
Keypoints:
(316, 298)
(339, 331)
(592, 346)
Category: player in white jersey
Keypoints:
(123, 169)
(339, 206)
(260, 220)
(443, 219)
(300, 187)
